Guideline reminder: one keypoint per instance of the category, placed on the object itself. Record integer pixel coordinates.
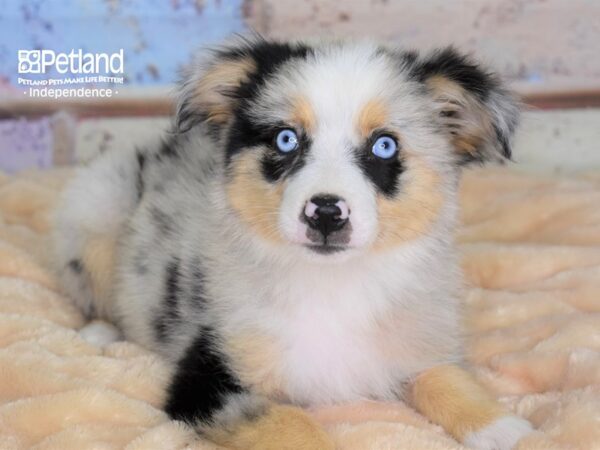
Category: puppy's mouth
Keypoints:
(325, 248)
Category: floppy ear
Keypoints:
(476, 111)
(208, 92)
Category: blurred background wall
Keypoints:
(157, 35)
(549, 50)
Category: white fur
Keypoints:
(503, 434)
(96, 202)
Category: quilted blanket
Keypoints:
(531, 254)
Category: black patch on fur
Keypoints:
(168, 149)
(162, 220)
(268, 58)
(202, 381)
(504, 143)
(467, 158)
(383, 173)
(450, 113)
(244, 133)
(168, 316)
(275, 165)
(188, 117)
(76, 266)
(139, 183)
(410, 57)
(272, 167)
(479, 83)
(450, 64)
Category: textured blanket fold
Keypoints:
(531, 253)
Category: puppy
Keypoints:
(290, 242)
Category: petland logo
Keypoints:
(74, 62)
(67, 69)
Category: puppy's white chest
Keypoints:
(343, 335)
(331, 350)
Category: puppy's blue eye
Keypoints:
(286, 141)
(384, 147)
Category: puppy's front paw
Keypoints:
(100, 333)
(279, 428)
(502, 434)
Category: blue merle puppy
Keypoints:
(290, 242)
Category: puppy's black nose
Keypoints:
(326, 213)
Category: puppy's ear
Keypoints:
(476, 111)
(210, 85)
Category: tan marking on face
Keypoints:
(452, 398)
(256, 360)
(474, 121)
(374, 115)
(256, 201)
(415, 208)
(303, 114)
(219, 79)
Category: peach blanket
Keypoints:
(531, 249)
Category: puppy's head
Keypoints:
(345, 147)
